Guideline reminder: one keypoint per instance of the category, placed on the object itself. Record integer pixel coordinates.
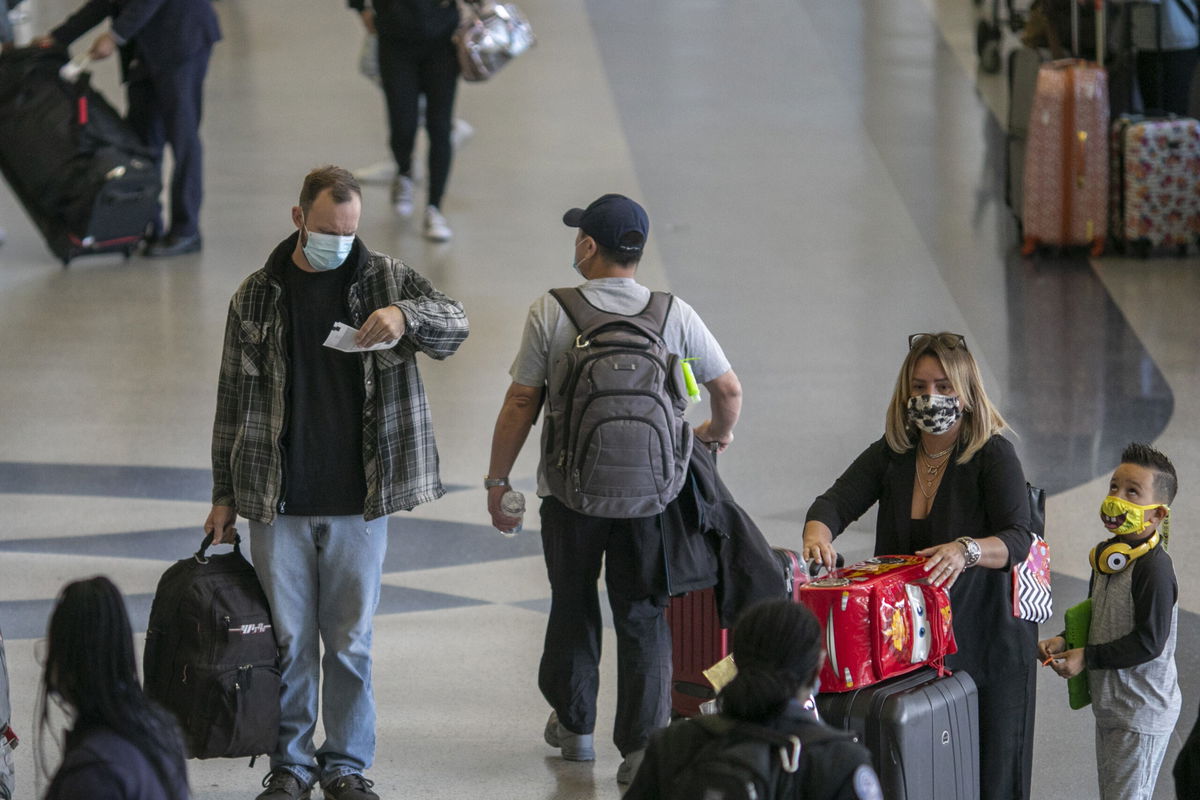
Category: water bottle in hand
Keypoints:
(512, 504)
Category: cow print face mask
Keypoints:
(934, 413)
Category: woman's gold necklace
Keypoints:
(936, 455)
(926, 484)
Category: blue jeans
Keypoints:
(322, 576)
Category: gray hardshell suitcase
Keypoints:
(922, 731)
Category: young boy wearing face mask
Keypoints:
(1130, 654)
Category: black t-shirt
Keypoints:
(322, 442)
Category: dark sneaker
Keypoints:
(349, 787)
(283, 785)
(174, 246)
(629, 767)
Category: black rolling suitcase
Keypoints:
(77, 167)
(922, 731)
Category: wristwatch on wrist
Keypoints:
(974, 553)
(488, 483)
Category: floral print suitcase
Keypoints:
(1156, 183)
(1066, 163)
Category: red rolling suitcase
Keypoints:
(881, 618)
(698, 641)
(922, 731)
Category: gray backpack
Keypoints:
(614, 442)
(8, 739)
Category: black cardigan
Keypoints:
(984, 497)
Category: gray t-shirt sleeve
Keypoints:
(531, 366)
(699, 343)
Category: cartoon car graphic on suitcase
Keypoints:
(881, 617)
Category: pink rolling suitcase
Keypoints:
(1066, 163)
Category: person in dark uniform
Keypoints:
(776, 646)
(950, 487)
(164, 47)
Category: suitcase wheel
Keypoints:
(1141, 248)
(1097, 247)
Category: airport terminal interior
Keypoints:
(822, 179)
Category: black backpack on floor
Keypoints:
(211, 657)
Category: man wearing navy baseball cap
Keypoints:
(614, 221)
(594, 511)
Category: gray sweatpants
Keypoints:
(1127, 762)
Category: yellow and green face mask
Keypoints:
(1124, 518)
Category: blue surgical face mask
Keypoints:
(326, 251)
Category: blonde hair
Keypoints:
(980, 421)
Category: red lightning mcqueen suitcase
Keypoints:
(698, 641)
(922, 731)
(881, 618)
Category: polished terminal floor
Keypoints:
(822, 178)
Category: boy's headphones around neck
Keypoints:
(1114, 555)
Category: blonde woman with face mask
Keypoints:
(949, 487)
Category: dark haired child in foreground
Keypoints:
(1130, 654)
(122, 745)
(777, 649)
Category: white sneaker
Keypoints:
(378, 174)
(402, 195)
(461, 132)
(436, 227)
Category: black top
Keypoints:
(412, 21)
(984, 497)
(99, 763)
(832, 766)
(1154, 591)
(322, 442)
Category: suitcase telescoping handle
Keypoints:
(814, 567)
(201, 555)
(1099, 5)
(71, 70)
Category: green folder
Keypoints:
(1079, 621)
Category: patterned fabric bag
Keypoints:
(1031, 595)
(488, 37)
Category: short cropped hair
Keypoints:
(339, 181)
(1165, 482)
(620, 257)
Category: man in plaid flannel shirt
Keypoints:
(316, 446)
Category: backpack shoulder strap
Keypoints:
(657, 311)
(651, 320)
(575, 306)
